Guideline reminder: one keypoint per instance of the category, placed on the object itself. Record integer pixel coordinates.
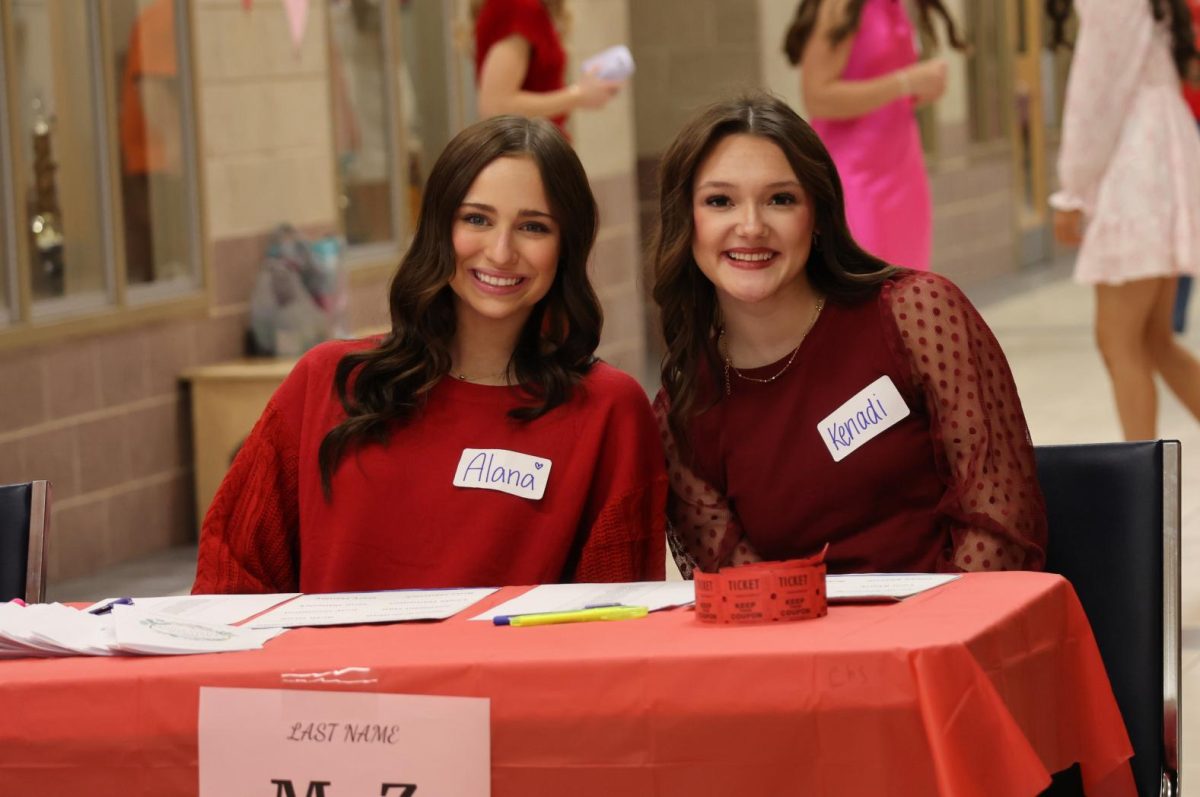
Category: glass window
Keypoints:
(56, 122)
(393, 99)
(428, 103)
(98, 157)
(362, 100)
(152, 125)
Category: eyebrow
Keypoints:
(723, 184)
(523, 212)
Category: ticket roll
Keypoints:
(763, 592)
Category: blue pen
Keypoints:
(106, 608)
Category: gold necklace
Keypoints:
(487, 379)
(729, 366)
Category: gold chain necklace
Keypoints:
(729, 366)
(483, 379)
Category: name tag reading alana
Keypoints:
(506, 471)
(876, 407)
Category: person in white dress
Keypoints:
(1129, 176)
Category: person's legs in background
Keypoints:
(1134, 334)
(1122, 320)
(1175, 362)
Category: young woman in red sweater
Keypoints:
(480, 442)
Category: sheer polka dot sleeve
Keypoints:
(703, 531)
(985, 457)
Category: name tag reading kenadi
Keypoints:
(505, 471)
(872, 410)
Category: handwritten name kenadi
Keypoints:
(350, 733)
(841, 435)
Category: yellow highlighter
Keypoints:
(577, 616)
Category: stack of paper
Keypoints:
(208, 623)
(51, 629)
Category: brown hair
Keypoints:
(836, 266)
(806, 19)
(391, 382)
(1183, 42)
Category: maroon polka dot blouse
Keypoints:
(952, 486)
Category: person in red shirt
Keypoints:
(812, 394)
(480, 442)
(520, 62)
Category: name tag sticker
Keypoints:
(505, 471)
(875, 408)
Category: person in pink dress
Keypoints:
(1129, 192)
(861, 80)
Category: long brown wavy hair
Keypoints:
(806, 19)
(1179, 16)
(388, 384)
(836, 267)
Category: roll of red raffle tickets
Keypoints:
(763, 592)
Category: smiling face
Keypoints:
(752, 221)
(506, 243)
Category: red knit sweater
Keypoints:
(396, 520)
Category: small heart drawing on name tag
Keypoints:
(538, 465)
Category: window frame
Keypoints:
(25, 320)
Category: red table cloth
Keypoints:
(980, 687)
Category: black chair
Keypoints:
(1114, 519)
(24, 526)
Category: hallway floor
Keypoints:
(1043, 322)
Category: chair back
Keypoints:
(24, 526)
(1114, 526)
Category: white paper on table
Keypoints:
(219, 609)
(47, 629)
(357, 608)
(254, 741)
(654, 595)
(139, 631)
(73, 631)
(849, 587)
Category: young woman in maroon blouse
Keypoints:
(812, 394)
(478, 443)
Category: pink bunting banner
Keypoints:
(297, 16)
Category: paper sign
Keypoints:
(334, 744)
